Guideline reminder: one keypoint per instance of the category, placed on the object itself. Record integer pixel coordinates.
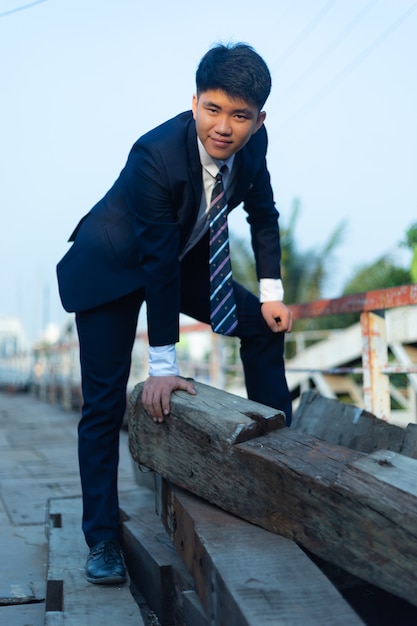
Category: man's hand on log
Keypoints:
(156, 394)
(278, 316)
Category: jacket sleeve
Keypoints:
(263, 220)
(149, 199)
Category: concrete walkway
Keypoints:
(38, 461)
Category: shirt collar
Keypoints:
(210, 164)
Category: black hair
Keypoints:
(237, 70)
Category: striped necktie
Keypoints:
(222, 300)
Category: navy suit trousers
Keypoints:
(106, 336)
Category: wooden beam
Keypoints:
(246, 576)
(327, 498)
(154, 566)
(347, 425)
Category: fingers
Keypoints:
(156, 394)
(280, 326)
(155, 398)
(284, 322)
(278, 316)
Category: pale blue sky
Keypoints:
(82, 79)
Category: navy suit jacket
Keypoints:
(133, 236)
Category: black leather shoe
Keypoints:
(105, 564)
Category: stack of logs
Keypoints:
(235, 485)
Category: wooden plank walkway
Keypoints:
(70, 599)
(247, 575)
(202, 566)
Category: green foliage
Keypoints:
(380, 274)
(306, 272)
(413, 269)
(411, 237)
(411, 243)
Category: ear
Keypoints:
(194, 105)
(259, 121)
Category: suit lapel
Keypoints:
(243, 165)
(194, 164)
(187, 213)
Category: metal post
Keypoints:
(374, 359)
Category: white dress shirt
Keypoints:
(162, 359)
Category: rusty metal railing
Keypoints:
(375, 369)
(56, 366)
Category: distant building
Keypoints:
(12, 337)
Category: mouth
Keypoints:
(220, 143)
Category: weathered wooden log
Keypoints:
(154, 565)
(355, 510)
(246, 576)
(350, 426)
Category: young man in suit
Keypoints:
(148, 240)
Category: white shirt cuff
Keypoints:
(163, 361)
(271, 290)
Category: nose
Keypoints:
(223, 126)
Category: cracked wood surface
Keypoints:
(327, 498)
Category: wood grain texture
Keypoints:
(347, 425)
(325, 497)
(246, 576)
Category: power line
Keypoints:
(350, 67)
(292, 6)
(304, 33)
(21, 8)
(327, 52)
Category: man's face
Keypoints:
(224, 125)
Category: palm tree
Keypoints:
(304, 273)
(380, 274)
(411, 242)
